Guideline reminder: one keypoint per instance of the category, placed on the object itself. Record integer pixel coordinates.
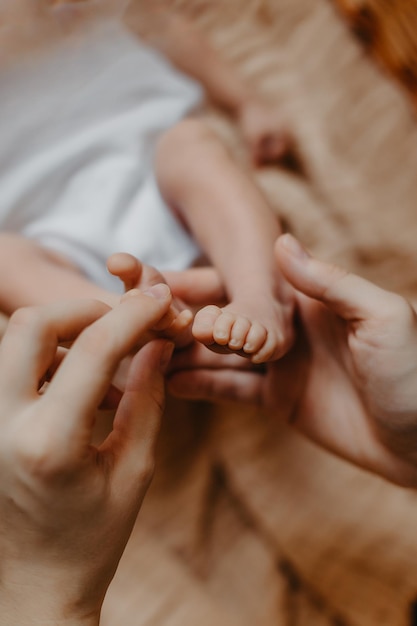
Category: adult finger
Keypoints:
(30, 343)
(198, 356)
(86, 373)
(136, 423)
(197, 286)
(199, 373)
(218, 385)
(351, 297)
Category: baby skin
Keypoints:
(219, 328)
(230, 219)
(175, 325)
(235, 228)
(53, 278)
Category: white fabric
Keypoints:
(78, 128)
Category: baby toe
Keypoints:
(204, 322)
(239, 333)
(271, 350)
(223, 328)
(255, 338)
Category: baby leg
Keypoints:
(233, 224)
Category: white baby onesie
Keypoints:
(78, 127)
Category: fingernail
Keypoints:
(159, 291)
(293, 246)
(166, 355)
(130, 294)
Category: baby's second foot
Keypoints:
(176, 324)
(224, 330)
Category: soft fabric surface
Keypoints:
(388, 32)
(246, 524)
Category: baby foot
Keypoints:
(176, 324)
(224, 330)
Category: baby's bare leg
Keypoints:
(31, 274)
(233, 224)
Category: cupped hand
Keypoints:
(67, 506)
(348, 383)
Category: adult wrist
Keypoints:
(26, 604)
(18, 614)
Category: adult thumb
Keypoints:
(349, 296)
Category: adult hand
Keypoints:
(67, 507)
(348, 384)
(176, 323)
